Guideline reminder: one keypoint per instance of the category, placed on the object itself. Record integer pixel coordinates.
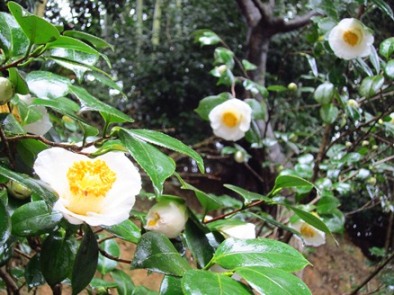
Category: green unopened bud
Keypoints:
(352, 103)
(380, 121)
(375, 147)
(292, 86)
(371, 180)
(239, 157)
(348, 144)
(18, 190)
(365, 143)
(6, 90)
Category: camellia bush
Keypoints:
(71, 170)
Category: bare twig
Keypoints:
(9, 281)
(109, 256)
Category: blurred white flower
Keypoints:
(310, 235)
(99, 191)
(350, 39)
(240, 231)
(42, 125)
(167, 217)
(231, 119)
(392, 118)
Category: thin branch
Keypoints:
(282, 26)
(9, 281)
(109, 256)
(322, 151)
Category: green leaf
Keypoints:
(210, 283)
(360, 63)
(326, 204)
(34, 218)
(335, 221)
(386, 48)
(329, 113)
(105, 264)
(28, 149)
(167, 142)
(206, 37)
(71, 43)
(57, 258)
(248, 196)
(371, 85)
(97, 283)
(36, 186)
(47, 85)
(38, 30)
(269, 219)
(62, 105)
(233, 253)
(156, 253)
(89, 102)
(10, 124)
(96, 42)
(384, 7)
(85, 260)
(288, 181)
(18, 81)
(248, 65)
(126, 230)
(33, 274)
(310, 218)
(124, 284)
(312, 64)
(105, 80)
(374, 58)
(5, 224)
(6, 251)
(277, 88)
(208, 103)
(255, 88)
(171, 286)
(157, 165)
(324, 93)
(224, 56)
(13, 40)
(389, 69)
(258, 109)
(197, 242)
(273, 281)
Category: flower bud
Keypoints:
(167, 217)
(371, 180)
(352, 103)
(375, 147)
(18, 190)
(365, 143)
(348, 144)
(6, 90)
(221, 69)
(292, 86)
(239, 157)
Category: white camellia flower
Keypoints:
(350, 39)
(98, 191)
(42, 125)
(310, 235)
(240, 231)
(167, 217)
(231, 119)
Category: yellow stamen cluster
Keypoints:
(350, 37)
(230, 119)
(154, 220)
(307, 231)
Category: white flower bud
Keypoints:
(352, 103)
(6, 90)
(167, 217)
(292, 86)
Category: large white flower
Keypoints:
(40, 126)
(239, 231)
(350, 39)
(167, 217)
(98, 191)
(231, 119)
(310, 235)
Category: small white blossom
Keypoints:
(167, 217)
(98, 191)
(42, 125)
(310, 235)
(350, 39)
(231, 119)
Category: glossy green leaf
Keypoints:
(326, 204)
(258, 109)
(277, 88)
(126, 230)
(6, 251)
(248, 65)
(310, 218)
(91, 103)
(386, 48)
(233, 253)
(312, 64)
(267, 280)
(71, 43)
(389, 69)
(324, 93)
(248, 196)
(5, 224)
(384, 7)
(38, 30)
(198, 243)
(124, 284)
(206, 105)
(18, 81)
(206, 37)
(155, 252)
(97, 283)
(105, 80)
(374, 58)
(13, 40)
(33, 274)
(371, 85)
(288, 181)
(329, 113)
(85, 261)
(34, 218)
(57, 258)
(62, 105)
(157, 165)
(255, 88)
(335, 221)
(167, 142)
(224, 56)
(10, 124)
(269, 219)
(47, 85)
(210, 283)
(360, 63)
(171, 286)
(94, 41)
(28, 149)
(36, 186)
(105, 264)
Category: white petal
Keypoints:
(242, 231)
(41, 126)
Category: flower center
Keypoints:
(230, 118)
(89, 182)
(351, 37)
(307, 231)
(153, 221)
